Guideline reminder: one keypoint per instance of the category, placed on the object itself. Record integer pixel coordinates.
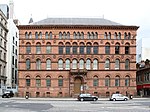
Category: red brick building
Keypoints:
(62, 57)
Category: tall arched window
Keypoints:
(36, 35)
(88, 35)
(28, 81)
(95, 64)
(48, 48)
(51, 35)
(81, 64)
(60, 35)
(38, 48)
(95, 48)
(26, 35)
(107, 48)
(74, 35)
(109, 35)
(119, 35)
(60, 81)
(129, 35)
(74, 48)
(60, 64)
(28, 48)
(95, 81)
(107, 64)
(115, 35)
(117, 48)
(107, 81)
(117, 81)
(68, 47)
(38, 64)
(88, 48)
(127, 64)
(67, 64)
(48, 81)
(40, 35)
(105, 35)
(68, 35)
(125, 35)
(27, 64)
(38, 81)
(46, 35)
(78, 35)
(30, 35)
(88, 64)
(48, 64)
(82, 35)
(117, 64)
(127, 80)
(92, 35)
(127, 48)
(74, 64)
(82, 46)
(96, 35)
(64, 35)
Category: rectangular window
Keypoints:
(95, 50)
(48, 82)
(38, 49)
(107, 50)
(75, 49)
(60, 82)
(116, 82)
(68, 50)
(61, 49)
(38, 82)
(106, 82)
(13, 60)
(95, 82)
(27, 82)
(126, 49)
(116, 49)
(81, 49)
(88, 50)
(28, 49)
(48, 49)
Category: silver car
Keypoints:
(115, 97)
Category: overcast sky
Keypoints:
(126, 12)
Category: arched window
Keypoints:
(127, 48)
(48, 48)
(60, 35)
(95, 81)
(78, 35)
(27, 64)
(38, 64)
(67, 64)
(107, 81)
(64, 35)
(60, 64)
(38, 81)
(74, 64)
(88, 64)
(117, 48)
(68, 35)
(28, 81)
(117, 81)
(51, 35)
(60, 81)
(127, 64)
(109, 35)
(68, 47)
(107, 64)
(48, 64)
(107, 48)
(38, 48)
(96, 35)
(61, 48)
(46, 35)
(115, 35)
(36, 35)
(81, 64)
(92, 36)
(82, 46)
(48, 81)
(30, 35)
(26, 35)
(88, 35)
(28, 48)
(95, 64)
(75, 47)
(127, 80)
(119, 35)
(95, 48)
(40, 35)
(74, 35)
(125, 35)
(129, 35)
(117, 64)
(88, 48)
(82, 35)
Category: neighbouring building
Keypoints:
(62, 57)
(143, 49)
(12, 52)
(143, 78)
(3, 51)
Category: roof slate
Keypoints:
(76, 21)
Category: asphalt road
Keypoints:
(72, 105)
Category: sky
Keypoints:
(125, 12)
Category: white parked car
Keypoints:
(115, 97)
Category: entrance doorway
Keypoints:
(77, 85)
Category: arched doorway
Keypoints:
(77, 85)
